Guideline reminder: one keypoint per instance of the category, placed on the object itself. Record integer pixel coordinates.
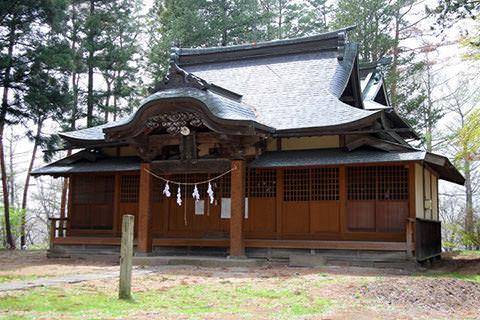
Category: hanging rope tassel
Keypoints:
(196, 194)
(166, 191)
(210, 192)
(179, 197)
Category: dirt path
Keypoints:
(53, 281)
(50, 272)
(360, 293)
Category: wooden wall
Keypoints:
(426, 193)
(369, 203)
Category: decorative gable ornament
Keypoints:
(173, 122)
(179, 78)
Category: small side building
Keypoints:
(299, 145)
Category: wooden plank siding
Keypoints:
(288, 204)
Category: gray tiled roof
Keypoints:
(340, 156)
(219, 106)
(288, 92)
(94, 133)
(84, 166)
(324, 157)
(287, 85)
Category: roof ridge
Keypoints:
(333, 40)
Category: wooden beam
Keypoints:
(315, 244)
(249, 243)
(190, 166)
(144, 210)
(375, 143)
(237, 244)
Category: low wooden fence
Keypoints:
(428, 239)
(58, 228)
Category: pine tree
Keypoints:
(117, 61)
(20, 22)
(46, 96)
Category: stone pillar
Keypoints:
(237, 245)
(145, 210)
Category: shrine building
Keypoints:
(283, 146)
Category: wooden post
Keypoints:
(410, 229)
(125, 284)
(237, 244)
(53, 224)
(144, 210)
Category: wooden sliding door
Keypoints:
(377, 198)
(311, 203)
(92, 202)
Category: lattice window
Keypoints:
(392, 183)
(103, 190)
(130, 188)
(261, 183)
(82, 189)
(226, 185)
(325, 183)
(296, 185)
(361, 183)
(93, 189)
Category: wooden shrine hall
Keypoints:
(289, 144)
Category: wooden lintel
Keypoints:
(193, 166)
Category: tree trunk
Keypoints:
(91, 52)
(280, 13)
(107, 99)
(27, 181)
(3, 115)
(115, 107)
(395, 64)
(11, 173)
(63, 200)
(468, 200)
(224, 24)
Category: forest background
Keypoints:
(71, 64)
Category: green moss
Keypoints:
(283, 300)
(453, 275)
(9, 278)
(469, 252)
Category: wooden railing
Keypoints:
(428, 239)
(58, 228)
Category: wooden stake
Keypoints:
(125, 283)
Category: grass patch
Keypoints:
(282, 300)
(468, 253)
(9, 278)
(453, 275)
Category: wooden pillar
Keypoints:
(278, 203)
(237, 244)
(117, 219)
(145, 210)
(410, 228)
